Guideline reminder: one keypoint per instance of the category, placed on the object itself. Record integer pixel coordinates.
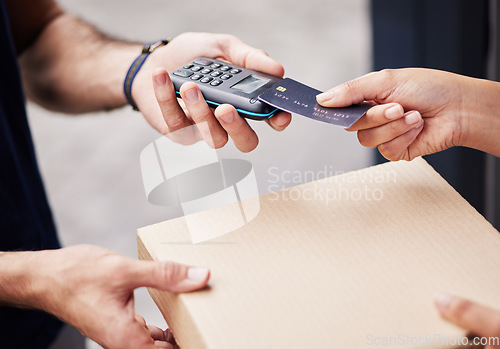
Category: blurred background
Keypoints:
(90, 163)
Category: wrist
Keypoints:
(140, 63)
(482, 116)
(19, 280)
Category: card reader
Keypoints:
(221, 82)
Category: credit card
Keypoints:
(294, 97)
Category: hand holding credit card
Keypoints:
(294, 97)
(257, 95)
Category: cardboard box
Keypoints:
(351, 261)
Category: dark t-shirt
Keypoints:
(25, 218)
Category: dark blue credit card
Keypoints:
(294, 97)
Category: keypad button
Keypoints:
(197, 68)
(188, 66)
(226, 77)
(206, 71)
(196, 77)
(216, 65)
(235, 71)
(216, 74)
(203, 62)
(216, 82)
(183, 73)
(226, 68)
(206, 79)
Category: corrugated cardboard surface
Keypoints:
(352, 271)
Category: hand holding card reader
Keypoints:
(221, 82)
(259, 96)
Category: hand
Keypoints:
(91, 288)
(478, 319)
(420, 111)
(165, 113)
(163, 339)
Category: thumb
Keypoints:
(372, 86)
(250, 57)
(167, 276)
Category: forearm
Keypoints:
(481, 105)
(74, 68)
(17, 279)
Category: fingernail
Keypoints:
(442, 301)
(227, 117)
(197, 274)
(394, 112)
(412, 118)
(161, 79)
(191, 95)
(420, 124)
(325, 96)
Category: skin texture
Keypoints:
(420, 112)
(167, 115)
(69, 66)
(433, 111)
(91, 288)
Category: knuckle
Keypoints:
(240, 129)
(245, 139)
(387, 74)
(166, 98)
(229, 37)
(387, 78)
(397, 128)
(174, 122)
(184, 34)
(117, 268)
(204, 115)
(348, 86)
(220, 140)
(224, 40)
(261, 52)
(168, 271)
(387, 152)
